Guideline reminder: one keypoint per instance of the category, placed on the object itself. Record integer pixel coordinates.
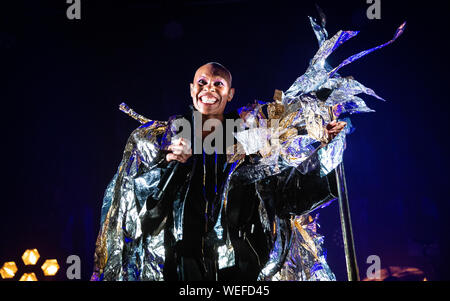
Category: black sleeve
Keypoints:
(159, 203)
(295, 194)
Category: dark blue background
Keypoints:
(63, 135)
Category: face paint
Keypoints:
(211, 90)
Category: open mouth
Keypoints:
(208, 99)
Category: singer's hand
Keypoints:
(179, 150)
(334, 128)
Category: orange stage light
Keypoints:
(28, 277)
(30, 256)
(50, 267)
(8, 270)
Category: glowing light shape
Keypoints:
(50, 267)
(28, 277)
(8, 270)
(30, 256)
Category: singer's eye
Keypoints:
(202, 82)
(218, 84)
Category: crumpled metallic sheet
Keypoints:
(284, 143)
(357, 56)
(272, 265)
(330, 45)
(253, 139)
(279, 238)
(127, 110)
(319, 30)
(122, 253)
(343, 95)
(146, 185)
(235, 153)
(314, 77)
(107, 198)
(310, 164)
(143, 258)
(330, 156)
(297, 149)
(346, 86)
(275, 110)
(306, 260)
(277, 253)
(317, 76)
(252, 114)
(281, 140)
(218, 228)
(303, 110)
(316, 118)
(226, 255)
(354, 104)
(263, 215)
(143, 120)
(154, 257)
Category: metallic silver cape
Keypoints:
(122, 252)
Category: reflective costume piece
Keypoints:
(283, 175)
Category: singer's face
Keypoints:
(211, 90)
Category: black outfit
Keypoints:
(195, 257)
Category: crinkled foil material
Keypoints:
(122, 253)
(253, 139)
(252, 115)
(304, 110)
(306, 260)
(330, 156)
(226, 255)
(359, 55)
(278, 251)
(319, 30)
(297, 149)
(293, 137)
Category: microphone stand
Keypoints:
(346, 221)
(346, 225)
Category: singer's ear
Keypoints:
(231, 94)
(191, 88)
